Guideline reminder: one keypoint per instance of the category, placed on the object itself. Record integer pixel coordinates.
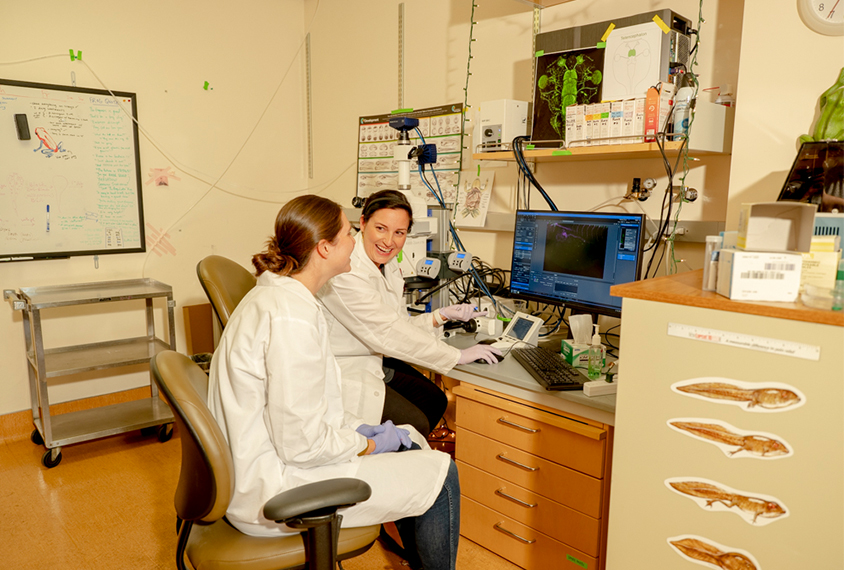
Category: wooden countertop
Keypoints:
(684, 289)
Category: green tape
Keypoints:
(530, 146)
(400, 255)
(540, 53)
(75, 57)
(580, 563)
(479, 171)
(205, 86)
(560, 153)
(601, 45)
(397, 111)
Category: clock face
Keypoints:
(823, 16)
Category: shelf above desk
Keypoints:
(603, 152)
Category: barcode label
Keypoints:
(780, 267)
(762, 275)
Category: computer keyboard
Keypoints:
(549, 368)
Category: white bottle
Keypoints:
(597, 355)
(681, 116)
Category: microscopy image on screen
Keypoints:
(576, 249)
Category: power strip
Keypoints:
(600, 388)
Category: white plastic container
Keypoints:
(710, 263)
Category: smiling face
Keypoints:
(384, 234)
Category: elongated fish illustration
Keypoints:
(705, 552)
(712, 494)
(753, 444)
(767, 398)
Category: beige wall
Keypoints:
(784, 68)
(357, 75)
(164, 51)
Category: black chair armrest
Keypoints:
(316, 499)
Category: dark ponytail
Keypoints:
(300, 225)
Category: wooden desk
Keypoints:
(534, 467)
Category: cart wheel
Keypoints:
(49, 460)
(35, 437)
(148, 431)
(165, 432)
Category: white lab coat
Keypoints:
(367, 319)
(275, 390)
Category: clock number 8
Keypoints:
(820, 8)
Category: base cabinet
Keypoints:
(534, 481)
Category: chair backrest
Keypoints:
(206, 480)
(225, 283)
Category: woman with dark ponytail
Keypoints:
(276, 391)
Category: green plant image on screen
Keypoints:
(564, 79)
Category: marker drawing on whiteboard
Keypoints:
(48, 218)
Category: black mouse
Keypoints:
(498, 358)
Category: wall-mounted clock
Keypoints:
(823, 16)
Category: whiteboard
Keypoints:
(73, 188)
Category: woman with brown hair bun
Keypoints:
(275, 390)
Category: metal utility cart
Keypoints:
(147, 414)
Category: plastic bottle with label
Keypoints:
(683, 104)
(597, 356)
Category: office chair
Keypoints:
(206, 484)
(225, 283)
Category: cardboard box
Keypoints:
(759, 275)
(616, 118)
(820, 268)
(575, 354)
(776, 226)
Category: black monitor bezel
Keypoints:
(574, 305)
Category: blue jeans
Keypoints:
(430, 540)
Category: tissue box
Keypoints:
(575, 354)
(776, 226)
(759, 275)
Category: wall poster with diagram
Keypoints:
(377, 170)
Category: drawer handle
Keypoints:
(517, 426)
(499, 528)
(516, 463)
(501, 493)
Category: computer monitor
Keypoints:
(573, 258)
(817, 176)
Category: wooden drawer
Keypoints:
(529, 549)
(566, 447)
(561, 484)
(548, 517)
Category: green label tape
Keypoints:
(561, 153)
(75, 57)
(601, 45)
(205, 86)
(580, 563)
(397, 111)
(530, 146)
(540, 53)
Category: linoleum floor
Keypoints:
(109, 505)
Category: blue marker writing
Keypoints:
(48, 217)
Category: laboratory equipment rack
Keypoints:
(147, 414)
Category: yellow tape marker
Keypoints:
(663, 26)
(610, 28)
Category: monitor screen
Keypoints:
(817, 176)
(573, 258)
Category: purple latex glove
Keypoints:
(369, 431)
(390, 438)
(463, 312)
